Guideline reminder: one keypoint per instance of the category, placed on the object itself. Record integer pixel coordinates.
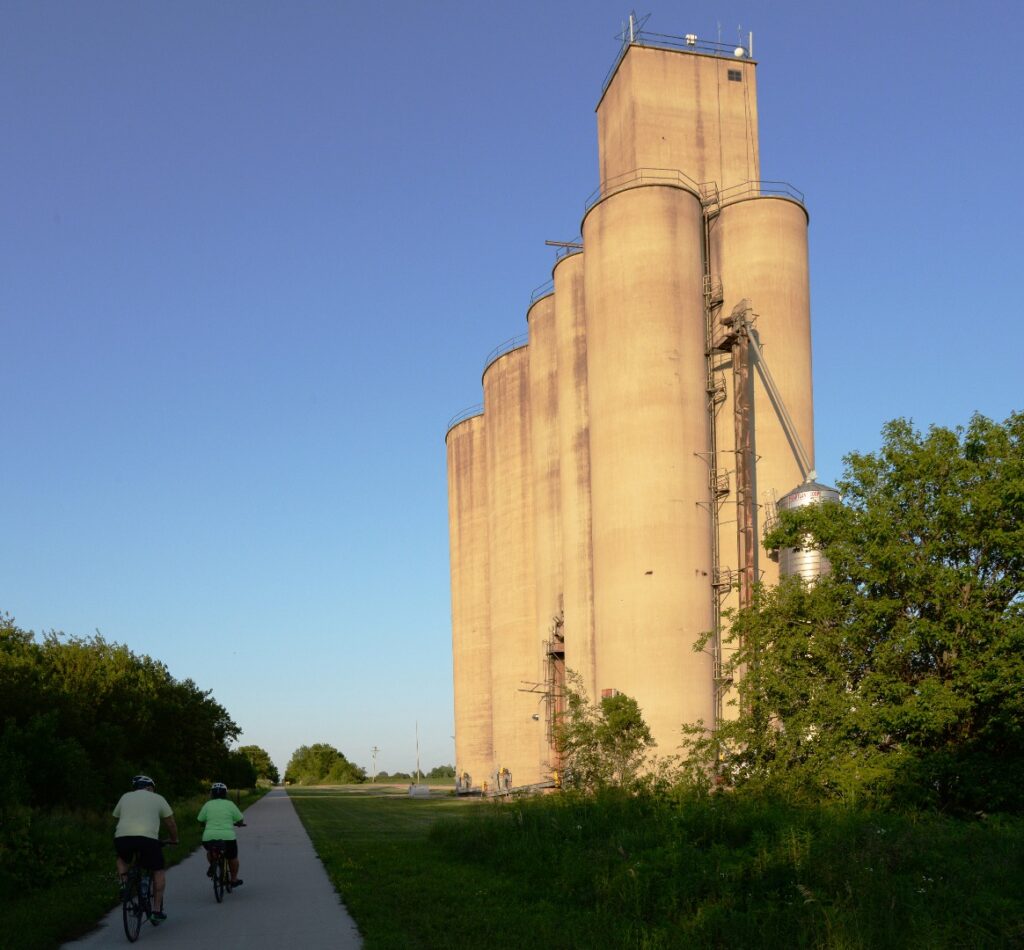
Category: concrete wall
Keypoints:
(545, 467)
(515, 647)
(574, 471)
(759, 247)
(674, 110)
(648, 425)
(471, 639)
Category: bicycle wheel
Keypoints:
(227, 874)
(218, 879)
(132, 907)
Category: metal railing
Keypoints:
(757, 189)
(462, 416)
(673, 176)
(507, 347)
(542, 291)
(642, 176)
(690, 43)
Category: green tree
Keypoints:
(262, 763)
(322, 764)
(439, 772)
(899, 676)
(237, 770)
(79, 716)
(601, 744)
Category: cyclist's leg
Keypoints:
(232, 853)
(159, 883)
(153, 861)
(125, 849)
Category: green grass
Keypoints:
(645, 873)
(85, 890)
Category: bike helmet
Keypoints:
(218, 790)
(143, 781)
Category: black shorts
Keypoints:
(230, 848)
(151, 855)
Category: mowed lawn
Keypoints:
(406, 891)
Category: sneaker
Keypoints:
(237, 883)
(156, 917)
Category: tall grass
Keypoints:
(684, 871)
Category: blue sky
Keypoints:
(254, 254)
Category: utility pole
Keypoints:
(374, 752)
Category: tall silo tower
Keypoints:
(512, 581)
(633, 444)
(471, 632)
(574, 470)
(547, 519)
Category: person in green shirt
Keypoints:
(220, 815)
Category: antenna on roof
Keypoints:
(632, 28)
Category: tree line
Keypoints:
(80, 716)
(323, 764)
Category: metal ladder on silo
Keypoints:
(718, 477)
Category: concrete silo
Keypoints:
(759, 251)
(547, 520)
(574, 470)
(633, 447)
(515, 652)
(471, 639)
(651, 526)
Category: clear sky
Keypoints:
(254, 254)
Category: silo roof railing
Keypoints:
(759, 189)
(690, 43)
(462, 416)
(507, 347)
(643, 176)
(542, 291)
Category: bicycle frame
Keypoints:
(136, 901)
(221, 870)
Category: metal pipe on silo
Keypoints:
(574, 470)
(759, 250)
(515, 654)
(545, 465)
(651, 523)
(471, 640)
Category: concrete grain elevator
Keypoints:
(608, 501)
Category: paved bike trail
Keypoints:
(286, 901)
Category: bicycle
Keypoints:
(136, 897)
(219, 865)
(221, 872)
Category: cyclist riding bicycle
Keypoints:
(139, 813)
(220, 815)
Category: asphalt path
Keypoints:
(286, 899)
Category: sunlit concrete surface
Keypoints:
(286, 900)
